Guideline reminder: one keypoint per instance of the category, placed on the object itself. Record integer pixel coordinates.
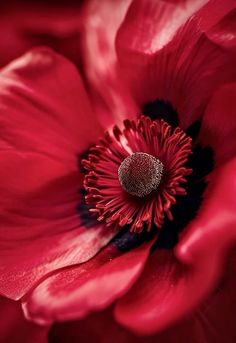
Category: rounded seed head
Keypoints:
(140, 174)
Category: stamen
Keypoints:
(125, 182)
(140, 174)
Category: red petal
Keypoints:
(14, 328)
(98, 327)
(218, 10)
(73, 293)
(44, 106)
(224, 32)
(211, 323)
(219, 124)
(45, 123)
(171, 288)
(155, 24)
(111, 98)
(27, 24)
(184, 70)
(153, 301)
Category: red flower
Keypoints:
(174, 62)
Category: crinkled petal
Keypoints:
(110, 95)
(15, 328)
(219, 125)
(224, 32)
(153, 301)
(44, 106)
(166, 54)
(45, 124)
(212, 322)
(173, 285)
(74, 293)
(155, 24)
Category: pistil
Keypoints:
(140, 174)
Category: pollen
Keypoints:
(140, 174)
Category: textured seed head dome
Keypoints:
(140, 173)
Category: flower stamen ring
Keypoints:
(134, 175)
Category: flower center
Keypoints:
(133, 160)
(140, 174)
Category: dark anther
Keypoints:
(160, 109)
